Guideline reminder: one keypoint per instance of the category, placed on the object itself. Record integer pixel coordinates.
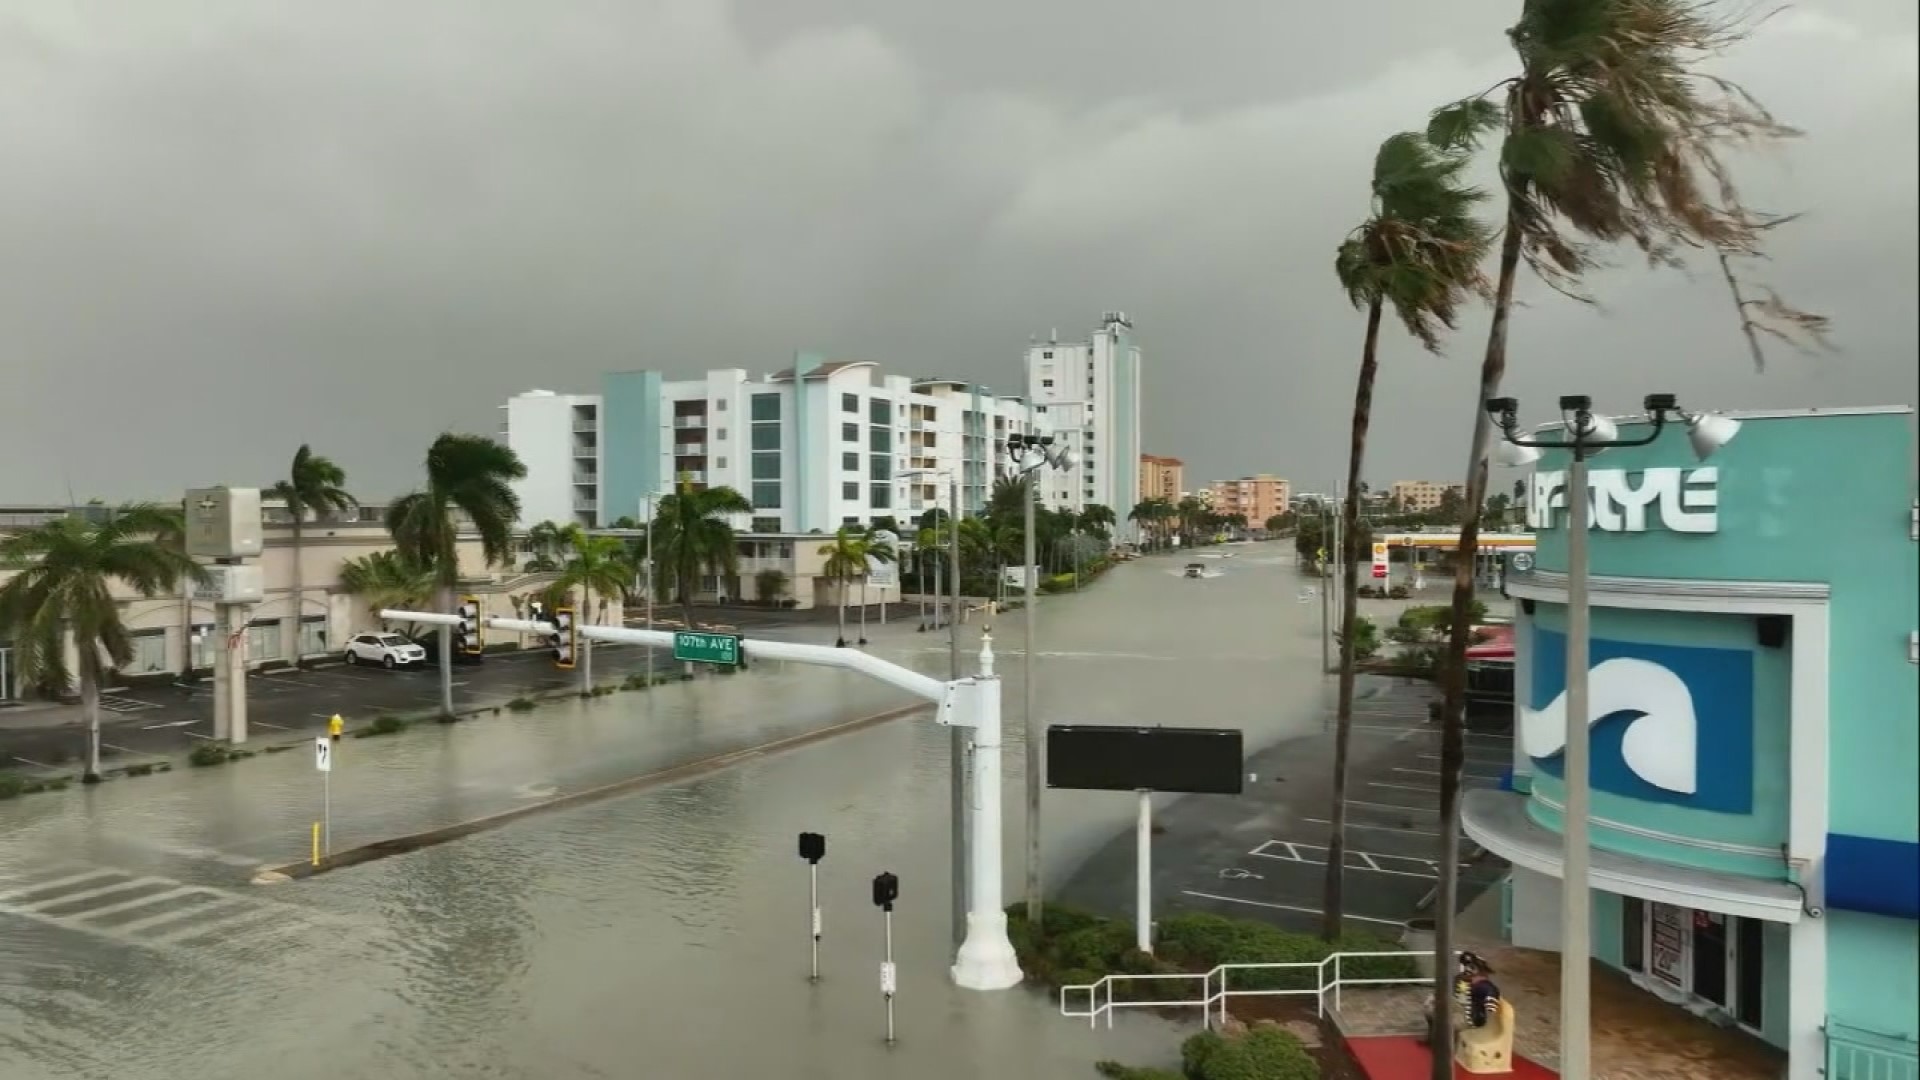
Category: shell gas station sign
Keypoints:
(1379, 559)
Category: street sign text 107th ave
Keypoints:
(706, 648)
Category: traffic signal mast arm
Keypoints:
(920, 686)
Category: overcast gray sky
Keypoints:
(230, 226)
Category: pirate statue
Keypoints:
(1474, 993)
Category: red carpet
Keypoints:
(1401, 1057)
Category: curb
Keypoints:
(400, 845)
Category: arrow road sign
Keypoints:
(323, 754)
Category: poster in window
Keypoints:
(1670, 935)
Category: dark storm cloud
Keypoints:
(232, 227)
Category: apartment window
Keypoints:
(720, 405)
(881, 441)
(880, 411)
(720, 463)
(850, 489)
(204, 649)
(766, 466)
(1046, 382)
(849, 432)
(850, 461)
(850, 403)
(720, 436)
(882, 497)
(263, 640)
(766, 436)
(149, 653)
(767, 524)
(766, 496)
(766, 407)
(852, 520)
(881, 468)
(1047, 355)
(313, 635)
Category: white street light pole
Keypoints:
(1031, 454)
(1585, 435)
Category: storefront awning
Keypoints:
(1498, 821)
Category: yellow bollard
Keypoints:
(316, 843)
(335, 726)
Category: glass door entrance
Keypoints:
(1710, 957)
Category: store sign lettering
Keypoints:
(1686, 500)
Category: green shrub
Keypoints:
(1265, 1053)
(142, 769)
(11, 786)
(636, 682)
(208, 754)
(388, 725)
(520, 704)
(59, 783)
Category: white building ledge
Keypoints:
(1498, 821)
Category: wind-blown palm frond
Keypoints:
(468, 474)
(1612, 132)
(691, 536)
(314, 484)
(599, 565)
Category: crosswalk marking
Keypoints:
(152, 912)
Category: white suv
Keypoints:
(387, 650)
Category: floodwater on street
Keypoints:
(661, 933)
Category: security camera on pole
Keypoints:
(1030, 454)
(223, 524)
(1582, 435)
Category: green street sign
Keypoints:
(701, 648)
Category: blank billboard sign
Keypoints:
(1201, 761)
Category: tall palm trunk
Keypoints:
(840, 586)
(90, 707)
(299, 605)
(863, 611)
(1453, 721)
(1332, 898)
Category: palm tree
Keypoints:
(387, 579)
(600, 567)
(469, 476)
(691, 536)
(313, 485)
(1608, 134)
(64, 589)
(846, 558)
(547, 541)
(1418, 252)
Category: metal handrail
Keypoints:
(1857, 1054)
(1100, 999)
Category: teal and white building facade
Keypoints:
(816, 446)
(1755, 725)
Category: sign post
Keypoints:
(323, 762)
(886, 889)
(813, 848)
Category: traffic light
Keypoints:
(563, 639)
(467, 634)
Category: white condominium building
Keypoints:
(1088, 393)
(819, 445)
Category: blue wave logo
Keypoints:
(1669, 723)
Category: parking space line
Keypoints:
(1288, 907)
(276, 727)
(1374, 828)
(125, 750)
(1404, 787)
(1315, 855)
(1466, 773)
(1392, 806)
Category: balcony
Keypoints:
(585, 450)
(586, 506)
(696, 422)
(585, 478)
(691, 476)
(690, 449)
(586, 426)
